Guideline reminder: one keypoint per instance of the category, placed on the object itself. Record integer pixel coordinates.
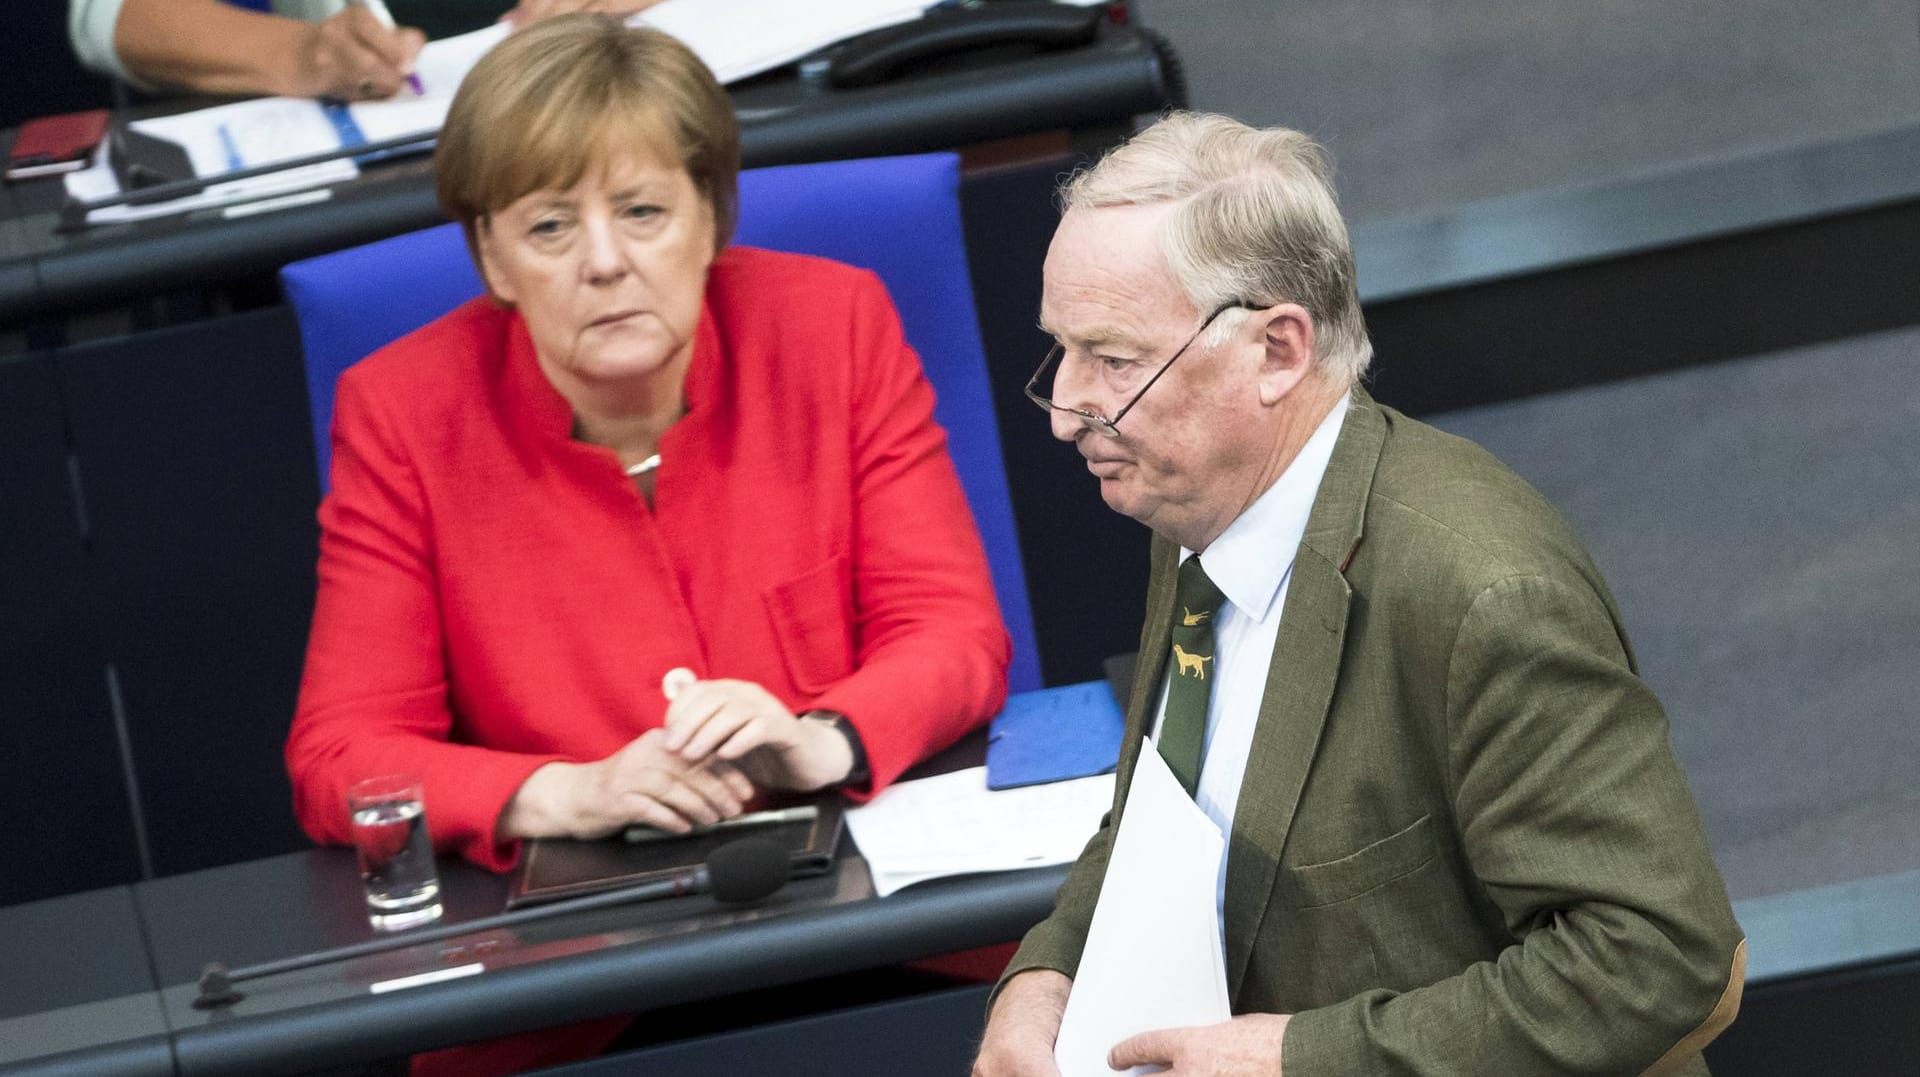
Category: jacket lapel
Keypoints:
(1300, 681)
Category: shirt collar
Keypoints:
(1241, 561)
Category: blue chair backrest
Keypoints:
(898, 216)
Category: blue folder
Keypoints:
(1054, 734)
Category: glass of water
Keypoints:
(389, 820)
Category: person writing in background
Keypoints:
(645, 465)
(1458, 841)
(298, 48)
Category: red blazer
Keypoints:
(495, 595)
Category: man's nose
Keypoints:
(1067, 393)
(1065, 425)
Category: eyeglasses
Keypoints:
(1100, 423)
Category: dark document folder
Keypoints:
(555, 868)
(1054, 734)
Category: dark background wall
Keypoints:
(41, 75)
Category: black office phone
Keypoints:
(143, 160)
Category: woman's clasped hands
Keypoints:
(722, 741)
(741, 724)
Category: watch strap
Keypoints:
(860, 773)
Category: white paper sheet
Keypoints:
(1153, 957)
(246, 134)
(739, 38)
(952, 825)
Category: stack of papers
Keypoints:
(1153, 957)
(249, 134)
(225, 139)
(952, 825)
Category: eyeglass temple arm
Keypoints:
(1236, 304)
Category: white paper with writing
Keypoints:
(952, 825)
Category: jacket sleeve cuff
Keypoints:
(1048, 946)
(90, 26)
(475, 791)
(1326, 1040)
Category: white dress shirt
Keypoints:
(1251, 562)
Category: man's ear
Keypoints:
(1286, 333)
(483, 249)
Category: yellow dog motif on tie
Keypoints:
(1191, 619)
(1195, 662)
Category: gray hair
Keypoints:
(1257, 224)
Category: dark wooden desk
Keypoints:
(104, 981)
(633, 959)
(79, 996)
(115, 970)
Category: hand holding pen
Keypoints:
(358, 55)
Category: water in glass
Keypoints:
(396, 861)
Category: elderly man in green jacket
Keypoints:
(1458, 840)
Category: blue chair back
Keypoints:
(898, 216)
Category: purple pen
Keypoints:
(378, 9)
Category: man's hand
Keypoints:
(1023, 1026)
(643, 782)
(1246, 1046)
(353, 57)
(741, 723)
(530, 11)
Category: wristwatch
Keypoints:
(860, 773)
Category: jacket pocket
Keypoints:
(812, 616)
(1373, 865)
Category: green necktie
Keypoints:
(1183, 731)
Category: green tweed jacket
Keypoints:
(1463, 845)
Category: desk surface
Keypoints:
(78, 996)
(91, 1005)
(585, 965)
(115, 970)
(784, 120)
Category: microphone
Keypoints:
(740, 872)
(745, 871)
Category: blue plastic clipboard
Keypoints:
(1054, 734)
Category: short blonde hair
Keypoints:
(1257, 223)
(553, 100)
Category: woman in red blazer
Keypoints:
(643, 454)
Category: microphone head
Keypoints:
(748, 869)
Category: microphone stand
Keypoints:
(216, 981)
